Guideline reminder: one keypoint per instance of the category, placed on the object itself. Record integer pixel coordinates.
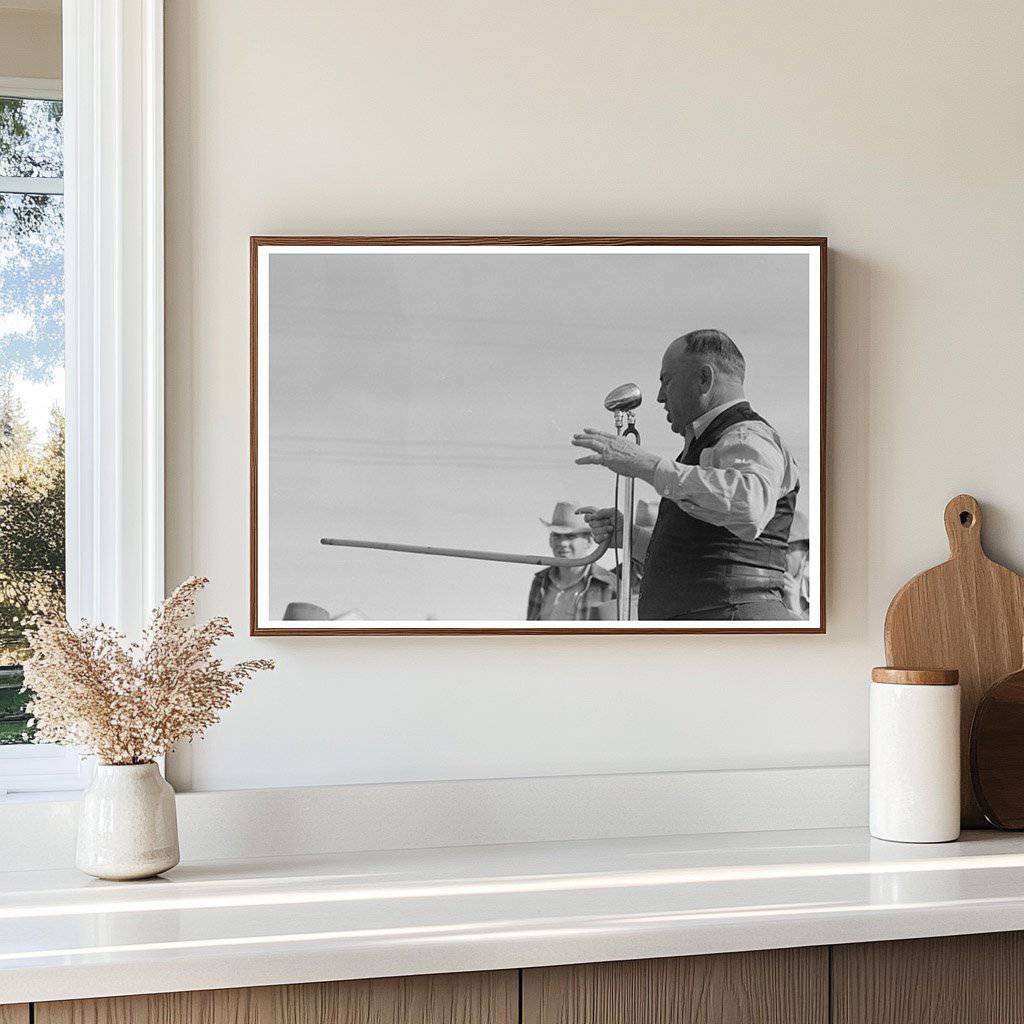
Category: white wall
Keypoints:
(895, 129)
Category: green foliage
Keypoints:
(31, 544)
(14, 722)
(31, 138)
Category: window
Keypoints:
(32, 513)
(112, 167)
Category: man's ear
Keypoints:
(707, 378)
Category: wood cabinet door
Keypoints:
(776, 986)
(14, 1013)
(961, 979)
(478, 998)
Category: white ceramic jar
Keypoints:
(127, 825)
(915, 755)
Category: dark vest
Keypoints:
(692, 565)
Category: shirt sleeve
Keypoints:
(737, 485)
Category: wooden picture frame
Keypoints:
(321, 289)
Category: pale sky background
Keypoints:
(38, 398)
(431, 398)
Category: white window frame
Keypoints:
(31, 88)
(114, 328)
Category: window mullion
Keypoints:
(32, 186)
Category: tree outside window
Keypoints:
(31, 386)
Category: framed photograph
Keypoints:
(537, 435)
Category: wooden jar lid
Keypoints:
(916, 676)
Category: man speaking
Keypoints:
(719, 544)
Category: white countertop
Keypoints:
(224, 924)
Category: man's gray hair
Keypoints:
(720, 349)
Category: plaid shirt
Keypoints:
(599, 587)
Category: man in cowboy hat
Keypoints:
(719, 546)
(561, 593)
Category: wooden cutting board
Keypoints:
(967, 614)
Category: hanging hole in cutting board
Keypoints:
(966, 519)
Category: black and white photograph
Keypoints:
(537, 435)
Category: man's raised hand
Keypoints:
(619, 454)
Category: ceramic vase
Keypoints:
(127, 825)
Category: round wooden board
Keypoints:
(997, 753)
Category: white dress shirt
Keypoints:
(739, 480)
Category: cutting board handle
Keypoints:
(963, 526)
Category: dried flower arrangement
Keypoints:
(130, 703)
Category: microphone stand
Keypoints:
(625, 603)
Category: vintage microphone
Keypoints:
(622, 401)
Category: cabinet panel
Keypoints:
(778, 986)
(962, 979)
(478, 998)
(14, 1013)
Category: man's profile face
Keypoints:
(681, 390)
(570, 545)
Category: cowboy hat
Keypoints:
(565, 520)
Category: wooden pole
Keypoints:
(486, 556)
